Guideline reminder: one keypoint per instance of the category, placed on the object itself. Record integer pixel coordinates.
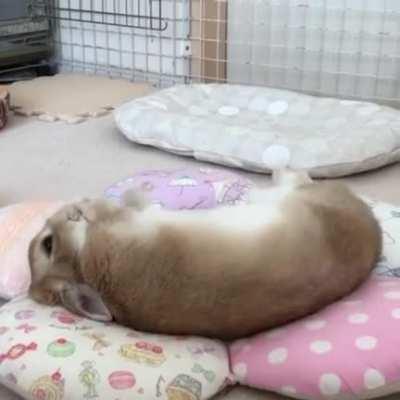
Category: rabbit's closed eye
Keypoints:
(47, 244)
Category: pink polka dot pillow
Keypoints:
(348, 350)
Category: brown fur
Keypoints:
(199, 281)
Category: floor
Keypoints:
(57, 160)
(60, 161)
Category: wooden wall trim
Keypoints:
(208, 36)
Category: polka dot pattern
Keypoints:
(373, 378)
(358, 318)
(320, 347)
(366, 342)
(330, 384)
(278, 356)
(233, 125)
(348, 348)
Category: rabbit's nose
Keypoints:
(75, 215)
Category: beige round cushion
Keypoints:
(72, 97)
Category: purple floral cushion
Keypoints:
(186, 188)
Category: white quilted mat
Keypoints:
(256, 128)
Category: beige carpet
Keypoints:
(61, 161)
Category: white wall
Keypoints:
(340, 47)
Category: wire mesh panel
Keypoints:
(344, 48)
(25, 35)
(142, 14)
(133, 39)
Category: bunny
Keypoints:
(227, 272)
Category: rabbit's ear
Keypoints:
(83, 300)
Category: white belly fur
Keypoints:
(264, 208)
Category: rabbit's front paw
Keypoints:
(96, 210)
(69, 213)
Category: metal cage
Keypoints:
(25, 35)
(341, 48)
(138, 40)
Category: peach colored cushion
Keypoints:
(18, 225)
